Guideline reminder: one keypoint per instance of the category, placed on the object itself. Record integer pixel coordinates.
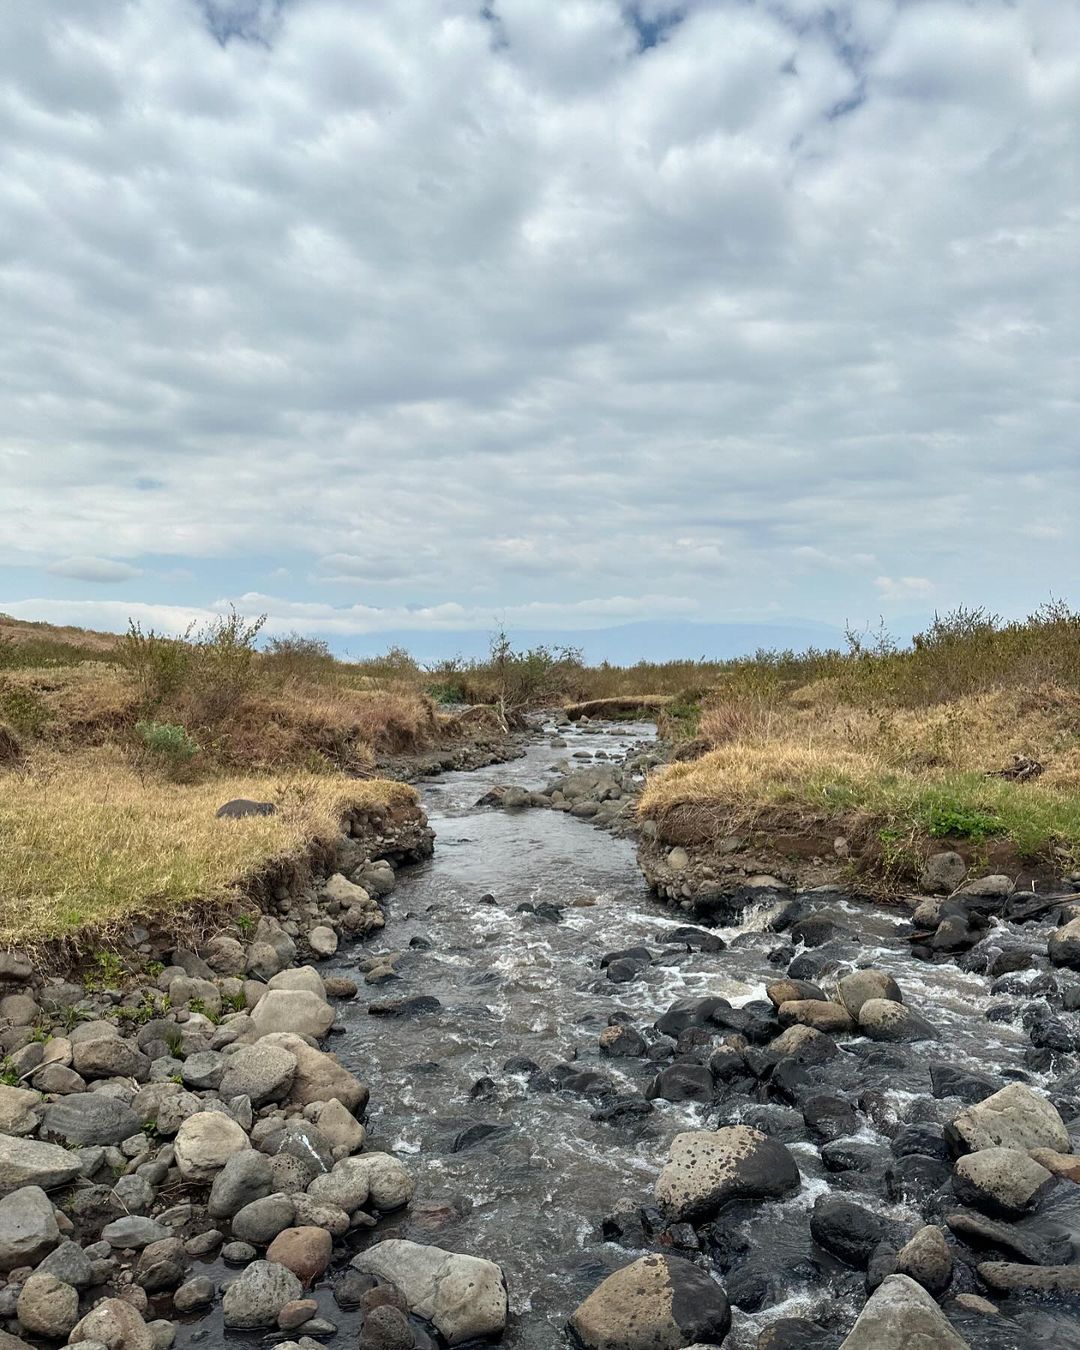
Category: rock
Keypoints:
(204, 1144)
(262, 1072)
(804, 1044)
(462, 1296)
(1012, 1278)
(319, 1077)
(942, 873)
(829, 1117)
(294, 1010)
(1065, 1165)
(901, 1315)
(108, 1057)
(814, 1013)
(927, 1259)
(323, 941)
(262, 1220)
(246, 1176)
(794, 991)
(845, 1229)
(1063, 946)
(132, 1232)
(256, 1297)
(707, 1168)
(1001, 1181)
(20, 1110)
(70, 1264)
(346, 893)
(386, 1328)
(883, 1019)
(948, 1080)
(339, 1127)
(28, 1227)
(378, 1179)
(240, 807)
(864, 984)
(300, 977)
(1015, 1117)
(89, 1118)
(1008, 1239)
(116, 1324)
(27, 1162)
(682, 1083)
(196, 1293)
(656, 1303)
(305, 1251)
(162, 1265)
(47, 1307)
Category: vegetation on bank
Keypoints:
(87, 842)
(970, 734)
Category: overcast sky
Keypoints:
(418, 313)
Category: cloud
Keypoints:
(94, 569)
(905, 588)
(740, 304)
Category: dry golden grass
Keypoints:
(905, 773)
(86, 842)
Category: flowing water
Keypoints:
(531, 1195)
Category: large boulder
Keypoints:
(28, 1228)
(901, 1315)
(204, 1144)
(255, 1298)
(247, 1176)
(319, 1077)
(813, 1012)
(1001, 1181)
(306, 1251)
(462, 1296)
(262, 1072)
(300, 977)
(862, 985)
(116, 1324)
(28, 1162)
(47, 1306)
(375, 1179)
(927, 1259)
(1063, 946)
(89, 1118)
(943, 873)
(707, 1168)
(1015, 1117)
(296, 1010)
(656, 1303)
(20, 1110)
(108, 1057)
(883, 1019)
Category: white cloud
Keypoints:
(420, 305)
(94, 569)
(904, 588)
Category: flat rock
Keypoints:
(28, 1227)
(462, 1296)
(1010, 1277)
(1016, 1117)
(29, 1162)
(89, 1118)
(812, 1012)
(1001, 1181)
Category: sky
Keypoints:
(426, 315)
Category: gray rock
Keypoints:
(246, 1177)
(707, 1168)
(378, 1179)
(901, 1315)
(28, 1228)
(133, 1231)
(239, 807)
(108, 1057)
(943, 873)
(162, 1265)
(262, 1220)
(116, 1324)
(295, 1010)
(883, 1019)
(462, 1296)
(203, 1072)
(255, 1298)
(89, 1118)
(204, 1144)
(262, 1072)
(20, 1110)
(323, 941)
(70, 1264)
(1063, 945)
(28, 1162)
(657, 1301)
(1013, 1278)
(1016, 1117)
(196, 1293)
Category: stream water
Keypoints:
(532, 1193)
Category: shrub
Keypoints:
(22, 709)
(296, 657)
(158, 664)
(168, 740)
(223, 664)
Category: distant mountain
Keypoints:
(649, 640)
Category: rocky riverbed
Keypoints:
(504, 1093)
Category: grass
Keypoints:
(86, 842)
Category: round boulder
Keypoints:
(656, 1303)
(707, 1168)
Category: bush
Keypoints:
(168, 740)
(158, 664)
(296, 657)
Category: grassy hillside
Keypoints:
(972, 733)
